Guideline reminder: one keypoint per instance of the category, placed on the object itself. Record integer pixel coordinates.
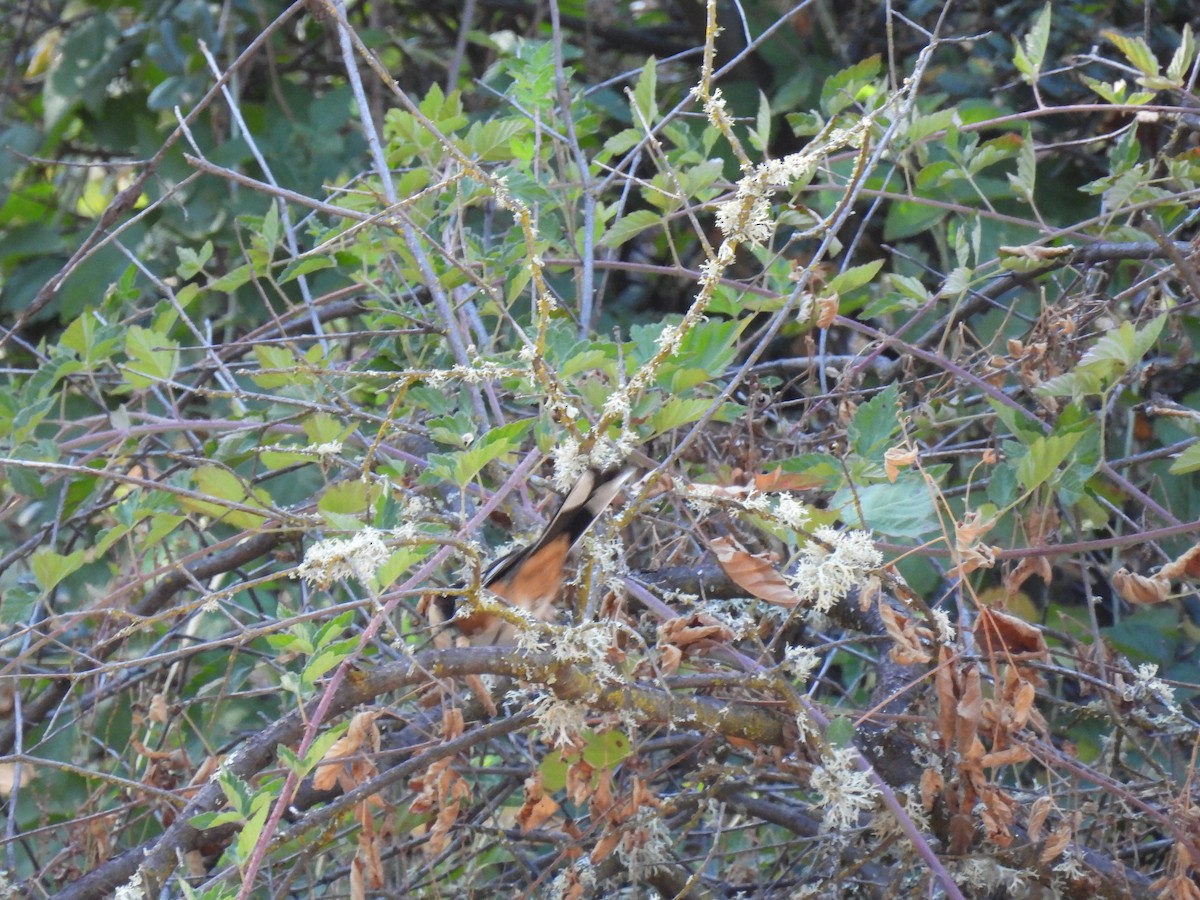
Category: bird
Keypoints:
(530, 578)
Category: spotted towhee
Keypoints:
(530, 578)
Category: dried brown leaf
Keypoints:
(1056, 844)
(753, 573)
(972, 558)
(1030, 565)
(1003, 637)
(969, 708)
(947, 701)
(1007, 757)
(931, 786)
(670, 658)
(999, 810)
(972, 527)
(1140, 589)
(580, 775)
(439, 831)
(906, 634)
(698, 630)
(827, 309)
(897, 458)
(360, 736)
(158, 709)
(1037, 817)
(1186, 566)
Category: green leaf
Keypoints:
(853, 278)
(643, 94)
(606, 749)
(678, 411)
(153, 357)
(1024, 180)
(232, 280)
(874, 423)
(270, 356)
(1043, 457)
(49, 568)
(236, 791)
(299, 267)
(1188, 460)
(462, 467)
(400, 562)
(192, 261)
(327, 658)
(348, 498)
(1106, 360)
(1029, 55)
(251, 831)
(760, 135)
(627, 226)
(903, 509)
(221, 484)
(844, 88)
(1181, 61)
(1136, 50)
(906, 218)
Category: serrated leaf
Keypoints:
(1023, 182)
(192, 261)
(250, 832)
(841, 89)
(903, 509)
(643, 94)
(1031, 52)
(221, 484)
(236, 791)
(1135, 49)
(274, 357)
(678, 411)
(400, 562)
(1043, 457)
(299, 267)
(627, 226)
(232, 280)
(153, 357)
(327, 658)
(874, 423)
(1181, 60)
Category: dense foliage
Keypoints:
(306, 315)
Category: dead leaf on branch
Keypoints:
(1056, 844)
(752, 573)
(1037, 817)
(697, 631)
(1186, 566)
(1002, 637)
(361, 737)
(999, 810)
(1145, 590)
(539, 806)
(897, 458)
(1140, 590)
(1030, 565)
(907, 635)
